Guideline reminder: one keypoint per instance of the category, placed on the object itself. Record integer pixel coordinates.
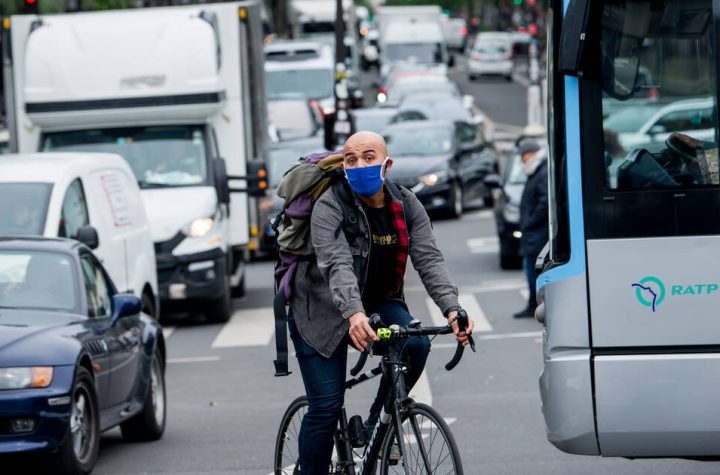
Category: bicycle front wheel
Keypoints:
(429, 445)
(286, 445)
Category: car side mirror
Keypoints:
(124, 305)
(492, 181)
(88, 235)
(222, 187)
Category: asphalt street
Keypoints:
(224, 404)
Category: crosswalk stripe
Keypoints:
(486, 245)
(421, 392)
(249, 327)
(471, 306)
(475, 215)
(525, 293)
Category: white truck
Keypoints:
(179, 93)
(412, 34)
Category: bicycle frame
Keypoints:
(393, 368)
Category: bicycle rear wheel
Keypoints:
(430, 447)
(286, 444)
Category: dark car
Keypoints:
(507, 193)
(76, 357)
(282, 156)
(443, 162)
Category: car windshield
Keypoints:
(309, 83)
(629, 119)
(26, 216)
(280, 161)
(372, 122)
(418, 141)
(37, 280)
(417, 52)
(159, 156)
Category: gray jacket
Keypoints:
(326, 290)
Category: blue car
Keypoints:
(76, 357)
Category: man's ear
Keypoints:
(388, 165)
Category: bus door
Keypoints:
(651, 199)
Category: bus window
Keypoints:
(659, 104)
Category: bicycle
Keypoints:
(426, 444)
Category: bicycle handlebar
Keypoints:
(397, 332)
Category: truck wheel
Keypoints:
(218, 310)
(147, 304)
(239, 290)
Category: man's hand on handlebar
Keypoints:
(461, 337)
(360, 331)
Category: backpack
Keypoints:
(301, 186)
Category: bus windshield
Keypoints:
(659, 107)
(160, 157)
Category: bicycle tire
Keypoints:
(286, 444)
(431, 427)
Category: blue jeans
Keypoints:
(324, 380)
(529, 266)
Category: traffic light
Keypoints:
(30, 7)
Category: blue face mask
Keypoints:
(366, 181)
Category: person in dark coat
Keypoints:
(533, 214)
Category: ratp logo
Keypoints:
(650, 291)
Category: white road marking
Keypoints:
(251, 327)
(195, 359)
(488, 286)
(421, 391)
(486, 245)
(476, 215)
(167, 331)
(525, 293)
(471, 306)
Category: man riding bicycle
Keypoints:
(353, 276)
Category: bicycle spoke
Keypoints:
(421, 448)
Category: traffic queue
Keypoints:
(140, 186)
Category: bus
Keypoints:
(629, 291)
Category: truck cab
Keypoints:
(181, 99)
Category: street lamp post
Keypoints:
(341, 127)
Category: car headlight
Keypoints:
(432, 179)
(199, 227)
(511, 213)
(22, 378)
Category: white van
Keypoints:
(301, 69)
(91, 197)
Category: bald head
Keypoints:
(364, 149)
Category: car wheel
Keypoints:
(149, 424)
(79, 452)
(455, 207)
(488, 201)
(218, 310)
